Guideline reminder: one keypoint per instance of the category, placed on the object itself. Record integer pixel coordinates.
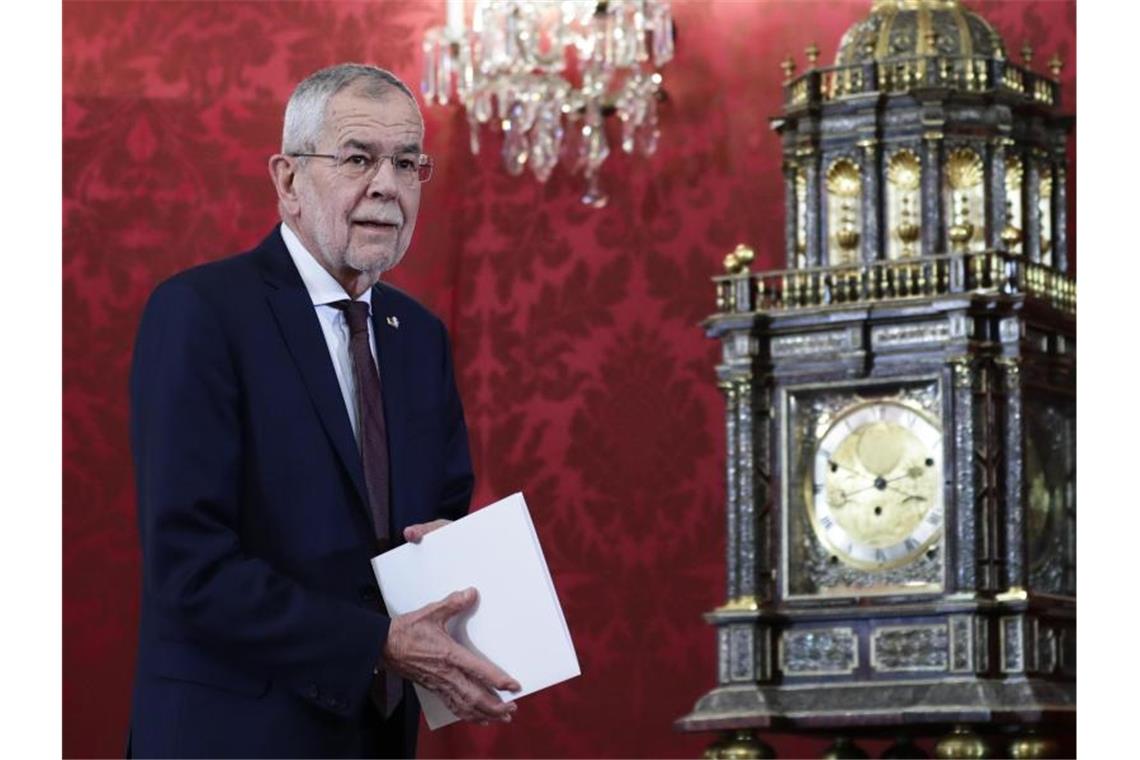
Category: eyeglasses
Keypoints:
(355, 164)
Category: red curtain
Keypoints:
(587, 380)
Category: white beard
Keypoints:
(338, 253)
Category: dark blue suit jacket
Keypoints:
(261, 619)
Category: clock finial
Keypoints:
(789, 66)
(1055, 65)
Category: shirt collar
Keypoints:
(322, 287)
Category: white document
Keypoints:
(517, 622)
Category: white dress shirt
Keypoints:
(324, 290)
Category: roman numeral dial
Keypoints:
(874, 489)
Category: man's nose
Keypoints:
(384, 183)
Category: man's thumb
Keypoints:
(456, 602)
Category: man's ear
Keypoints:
(283, 171)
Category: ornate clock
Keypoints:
(900, 406)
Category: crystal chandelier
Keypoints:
(547, 72)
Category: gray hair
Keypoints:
(305, 111)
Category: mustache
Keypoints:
(382, 217)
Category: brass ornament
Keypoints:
(1027, 53)
(1010, 236)
(960, 234)
(844, 182)
(801, 183)
(998, 45)
(962, 230)
(847, 236)
(744, 254)
(741, 744)
(904, 174)
(964, 173)
(1012, 594)
(961, 743)
(1014, 173)
(789, 67)
(843, 178)
(964, 169)
(745, 603)
(1032, 745)
(963, 371)
(1055, 65)
(812, 53)
(904, 170)
(907, 230)
(738, 260)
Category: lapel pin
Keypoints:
(394, 322)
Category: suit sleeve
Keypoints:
(186, 431)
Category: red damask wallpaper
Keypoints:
(587, 381)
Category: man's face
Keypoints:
(360, 226)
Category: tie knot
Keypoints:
(356, 313)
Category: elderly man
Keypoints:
(292, 417)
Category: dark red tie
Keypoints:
(374, 456)
(369, 417)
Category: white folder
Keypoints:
(517, 623)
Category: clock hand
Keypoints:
(909, 496)
(880, 483)
(908, 474)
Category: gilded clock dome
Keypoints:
(909, 28)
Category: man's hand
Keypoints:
(415, 533)
(419, 648)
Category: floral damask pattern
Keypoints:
(585, 375)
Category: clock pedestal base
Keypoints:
(833, 705)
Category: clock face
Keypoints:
(874, 490)
(1043, 500)
(1049, 494)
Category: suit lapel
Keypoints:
(301, 329)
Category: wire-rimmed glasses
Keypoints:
(356, 164)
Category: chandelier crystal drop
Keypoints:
(548, 73)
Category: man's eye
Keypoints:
(358, 160)
(405, 164)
